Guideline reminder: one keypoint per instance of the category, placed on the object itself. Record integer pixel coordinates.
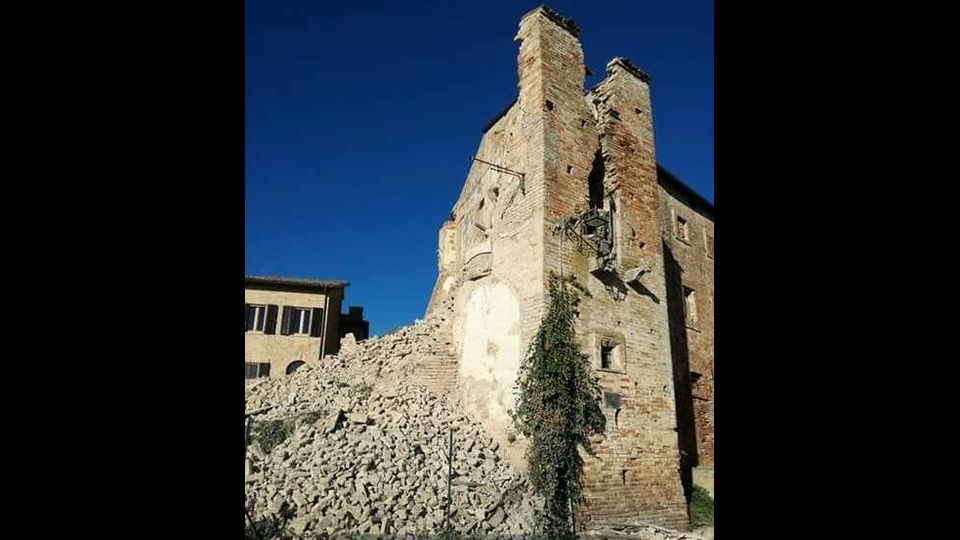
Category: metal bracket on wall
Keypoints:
(593, 229)
(504, 170)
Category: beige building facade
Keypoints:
(291, 321)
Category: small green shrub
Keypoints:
(701, 508)
(271, 433)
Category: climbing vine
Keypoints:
(558, 408)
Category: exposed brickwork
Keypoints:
(557, 152)
(690, 261)
(636, 474)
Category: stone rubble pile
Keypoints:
(371, 456)
(644, 531)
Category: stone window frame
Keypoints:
(620, 347)
(676, 227)
(707, 244)
(694, 322)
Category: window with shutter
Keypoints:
(271, 326)
(257, 370)
(256, 316)
(301, 324)
(316, 322)
(285, 321)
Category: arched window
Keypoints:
(295, 365)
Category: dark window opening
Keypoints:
(638, 111)
(616, 418)
(595, 181)
(295, 365)
(256, 315)
(683, 231)
(295, 321)
(549, 105)
(690, 304)
(569, 169)
(606, 357)
(256, 370)
(299, 321)
(623, 476)
(611, 358)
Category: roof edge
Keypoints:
(295, 283)
(665, 176)
(497, 118)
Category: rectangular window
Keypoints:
(606, 356)
(300, 321)
(690, 304)
(611, 354)
(256, 315)
(683, 231)
(256, 370)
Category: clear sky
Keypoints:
(362, 117)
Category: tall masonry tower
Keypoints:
(566, 180)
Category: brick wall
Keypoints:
(574, 150)
(689, 260)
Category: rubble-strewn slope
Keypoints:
(375, 458)
(368, 455)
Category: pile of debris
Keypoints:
(366, 450)
(645, 531)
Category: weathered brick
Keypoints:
(502, 242)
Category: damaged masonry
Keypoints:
(564, 180)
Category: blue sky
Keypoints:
(361, 119)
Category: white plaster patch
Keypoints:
(490, 354)
(448, 283)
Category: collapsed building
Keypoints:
(565, 181)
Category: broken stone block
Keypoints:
(358, 418)
(299, 524)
